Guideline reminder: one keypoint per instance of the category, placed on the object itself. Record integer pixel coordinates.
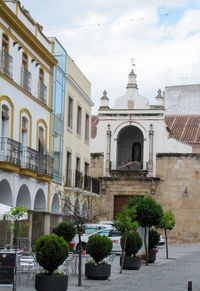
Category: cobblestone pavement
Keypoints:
(173, 274)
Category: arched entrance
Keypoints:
(6, 193)
(55, 205)
(130, 145)
(24, 197)
(40, 201)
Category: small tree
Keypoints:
(66, 230)
(167, 223)
(126, 221)
(149, 213)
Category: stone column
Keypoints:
(47, 218)
(108, 149)
(150, 165)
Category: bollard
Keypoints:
(189, 285)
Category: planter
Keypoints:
(151, 257)
(132, 263)
(97, 272)
(51, 283)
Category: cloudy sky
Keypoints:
(102, 36)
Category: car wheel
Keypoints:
(78, 247)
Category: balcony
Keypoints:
(25, 79)
(78, 179)
(24, 157)
(126, 166)
(9, 151)
(29, 158)
(6, 62)
(42, 92)
(87, 182)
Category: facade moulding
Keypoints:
(15, 23)
(86, 97)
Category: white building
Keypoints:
(26, 67)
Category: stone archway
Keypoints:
(24, 197)
(6, 193)
(55, 204)
(40, 201)
(130, 146)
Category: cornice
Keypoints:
(16, 24)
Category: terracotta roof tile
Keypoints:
(94, 122)
(185, 128)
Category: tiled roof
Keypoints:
(185, 128)
(95, 120)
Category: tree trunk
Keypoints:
(123, 254)
(80, 260)
(145, 243)
(166, 244)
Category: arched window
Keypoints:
(24, 135)
(5, 119)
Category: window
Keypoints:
(5, 43)
(24, 140)
(78, 176)
(5, 58)
(69, 170)
(79, 113)
(25, 74)
(87, 167)
(42, 89)
(5, 121)
(87, 118)
(70, 113)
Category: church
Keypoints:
(139, 149)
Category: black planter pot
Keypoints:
(97, 272)
(132, 263)
(51, 283)
(151, 257)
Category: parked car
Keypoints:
(88, 229)
(162, 240)
(109, 231)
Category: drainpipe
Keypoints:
(108, 149)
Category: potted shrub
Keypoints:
(133, 245)
(98, 247)
(67, 231)
(51, 251)
(154, 238)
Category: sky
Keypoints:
(103, 36)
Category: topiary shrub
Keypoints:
(99, 247)
(154, 238)
(133, 243)
(51, 251)
(66, 230)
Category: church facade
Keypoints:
(138, 149)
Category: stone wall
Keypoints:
(97, 164)
(180, 173)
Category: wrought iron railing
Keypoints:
(9, 151)
(126, 166)
(87, 182)
(42, 92)
(95, 186)
(78, 179)
(29, 158)
(45, 164)
(6, 63)
(26, 79)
